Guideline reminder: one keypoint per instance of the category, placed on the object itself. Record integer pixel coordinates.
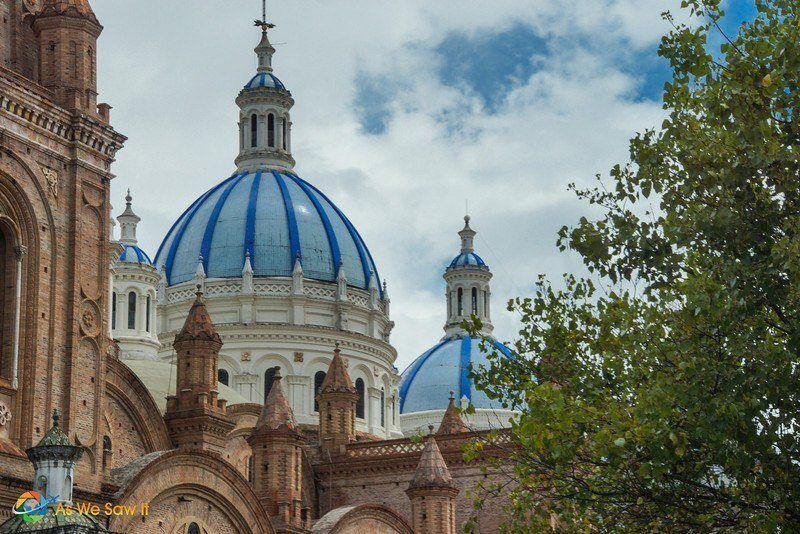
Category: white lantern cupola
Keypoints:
(468, 292)
(264, 121)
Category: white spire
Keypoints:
(297, 277)
(467, 236)
(201, 271)
(247, 275)
(127, 222)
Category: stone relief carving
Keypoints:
(5, 415)
(52, 181)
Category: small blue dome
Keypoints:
(275, 216)
(426, 384)
(467, 258)
(133, 254)
(265, 79)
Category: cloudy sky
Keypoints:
(405, 110)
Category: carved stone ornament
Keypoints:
(245, 356)
(90, 318)
(298, 357)
(52, 181)
(32, 6)
(5, 415)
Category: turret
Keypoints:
(278, 461)
(67, 32)
(432, 493)
(452, 423)
(337, 407)
(264, 120)
(468, 293)
(196, 417)
(134, 296)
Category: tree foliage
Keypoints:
(668, 395)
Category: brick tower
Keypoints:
(452, 423)
(337, 407)
(196, 417)
(278, 462)
(432, 493)
(67, 32)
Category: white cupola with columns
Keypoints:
(468, 293)
(264, 122)
(133, 299)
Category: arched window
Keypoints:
(383, 408)
(285, 133)
(193, 529)
(271, 130)
(360, 400)
(253, 130)
(318, 379)
(113, 310)
(131, 311)
(269, 378)
(223, 377)
(460, 302)
(7, 304)
(486, 303)
(475, 300)
(147, 317)
(107, 450)
(43, 485)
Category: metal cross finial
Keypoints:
(263, 24)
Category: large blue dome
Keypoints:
(426, 383)
(276, 217)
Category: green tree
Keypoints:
(668, 390)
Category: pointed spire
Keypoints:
(128, 221)
(247, 275)
(452, 423)
(248, 267)
(264, 50)
(341, 282)
(198, 325)
(374, 294)
(467, 235)
(431, 470)
(297, 276)
(276, 411)
(79, 9)
(201, 271)
(337, 379)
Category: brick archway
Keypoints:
(178, 484)
(373, 518)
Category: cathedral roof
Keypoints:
(467, 259)
(265, 79)
(452, 423)
(337, 378)
(431, 470)
(276, 411)
(159, 379)
(55, 436)
(68, 8)
(427, 382)
(198, 325)
(275, 216)
(134, 254)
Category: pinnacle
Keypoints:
(337, 379)
(198, 325)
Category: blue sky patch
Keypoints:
(490, 64)
(373, 102)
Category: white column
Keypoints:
(20, 252)
(374, 407)
(141, 312)
(289, 137)
(279, 133)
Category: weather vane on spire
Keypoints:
(263, 24)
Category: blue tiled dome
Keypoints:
(276, 217)
(426, 384)
(467, 258)
(265, 79)
(133, 254)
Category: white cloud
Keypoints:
(173, 69)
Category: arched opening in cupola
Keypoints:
(253, 130)
(271, 130)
